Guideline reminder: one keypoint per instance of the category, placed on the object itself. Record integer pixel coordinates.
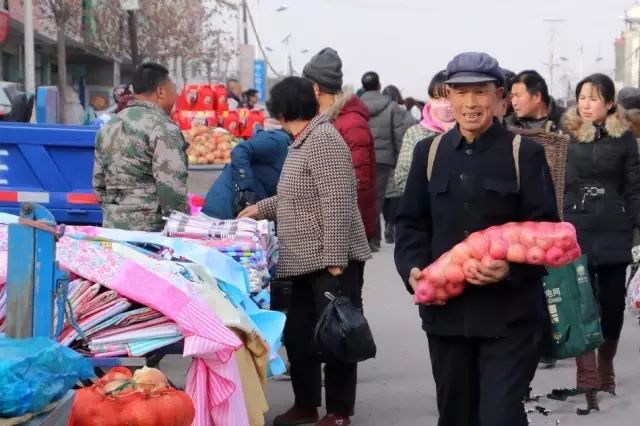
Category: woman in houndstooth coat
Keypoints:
(323, 246)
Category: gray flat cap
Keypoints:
(629, 98)
(474, 67)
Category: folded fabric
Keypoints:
(143, 347)
(76, 288)
(156, 332)
(219, 265)
(97, 303)
(70, 334)
(84, 299)
(136, 348)
(111, 331)
(125, 319)
(101, 308)
(112, 354)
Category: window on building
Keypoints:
(4, 4)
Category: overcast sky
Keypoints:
(407, 41)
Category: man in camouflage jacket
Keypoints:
(140, 168)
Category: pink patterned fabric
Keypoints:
(213, 379)
(206, 391)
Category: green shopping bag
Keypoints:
(575, 320)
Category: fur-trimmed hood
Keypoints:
(347, 102)
(585, 132)
(341, 99)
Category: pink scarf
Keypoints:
(437, 116)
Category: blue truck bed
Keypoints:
(51, 165)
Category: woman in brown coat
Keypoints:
(323, 247)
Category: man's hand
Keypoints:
(250, 212)
(414, 276)
(490, 274)
(336, 271)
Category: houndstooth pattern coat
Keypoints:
(319, 224)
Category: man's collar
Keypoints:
(146, 104)
(483, 141)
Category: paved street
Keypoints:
(397, 388)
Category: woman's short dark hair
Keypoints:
(394, 93)
(293, 99)
(437, 87)
(604, 85)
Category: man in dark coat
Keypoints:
(533, 107)
(251, 176)
(388, 122)
(485, 344)
(350, 116)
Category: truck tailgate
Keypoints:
(50, 165)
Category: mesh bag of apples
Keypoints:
(209, 146)
(534, 243)
(123, 398)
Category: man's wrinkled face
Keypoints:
(474, 105)
(524, 104)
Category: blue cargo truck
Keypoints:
(51, 165)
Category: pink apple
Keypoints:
(535, 256)
(574, 254)
(454, 289)
(460, 253)
(441, 295)
(454, 274)
(425, 293)
(546, 227)
(517, 253)
(565, 235)
(435, 276)
(493, 233)
(498, 249)
(479, 245)
(511, 233)
(528, 233)
(555, 257)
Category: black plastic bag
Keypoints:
(343, 333)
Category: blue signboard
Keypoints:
(260, 79)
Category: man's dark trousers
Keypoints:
(482, 381)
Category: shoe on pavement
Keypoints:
(297, 416)
(334, 420)
(375, 246)
(547, 363)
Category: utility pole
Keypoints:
(245, 27)
(133, 37)
(29, 49)
(552, 63)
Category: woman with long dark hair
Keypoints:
(602, 200)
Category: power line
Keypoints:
(255, 32)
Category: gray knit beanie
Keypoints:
(325, 69)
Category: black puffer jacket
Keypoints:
(602, 194)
